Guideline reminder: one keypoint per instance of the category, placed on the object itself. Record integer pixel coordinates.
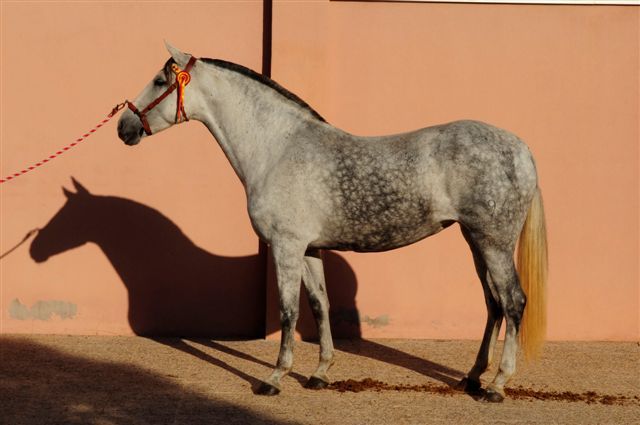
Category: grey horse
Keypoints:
(311, 186)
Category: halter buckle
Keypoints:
(117, 108)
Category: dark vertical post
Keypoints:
(263, 249)
(267, 31)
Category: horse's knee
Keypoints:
(288, 319)
(319, 307)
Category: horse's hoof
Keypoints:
(267, 389)
(468, 386)
(315, 383)
(491, 396)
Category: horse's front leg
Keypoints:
(313, 278)
(288, 258)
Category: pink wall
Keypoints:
(565, 78)
(64, 65)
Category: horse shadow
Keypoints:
(177, 289)
(174, 287)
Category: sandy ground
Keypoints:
(133, 380)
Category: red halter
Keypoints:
(182, 79)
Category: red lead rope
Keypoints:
(113, 112)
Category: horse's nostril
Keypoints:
(141, 132)
(121, 132)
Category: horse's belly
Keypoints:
(377, 236)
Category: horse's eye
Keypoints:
(159, 82)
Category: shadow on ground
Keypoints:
(376, 351)
(358, 347)
(43, 385)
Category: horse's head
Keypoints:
(165, 101)
(66, 230)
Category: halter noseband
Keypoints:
(182, 79)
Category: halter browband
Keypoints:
(182, 79)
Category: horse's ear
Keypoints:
(80, 189)
(179, 57)
(69, 194)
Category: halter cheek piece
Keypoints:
(182, 79)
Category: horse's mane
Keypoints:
(247, 72)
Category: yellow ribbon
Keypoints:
(182, 78)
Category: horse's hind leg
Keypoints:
(313, 278)
(512, 300)
(288, 258)
(471, 382)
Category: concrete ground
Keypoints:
(133, 380)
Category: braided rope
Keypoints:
(113, 112)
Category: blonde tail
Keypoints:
(532, 267)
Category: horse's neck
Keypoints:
(253, 124)
(135, 237)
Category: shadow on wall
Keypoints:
(40, 384)
(176, 288)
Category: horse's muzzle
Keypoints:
(37, 254)
(130, 130)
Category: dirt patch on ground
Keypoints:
(518, 393)
(368, 384)
(589, 397)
